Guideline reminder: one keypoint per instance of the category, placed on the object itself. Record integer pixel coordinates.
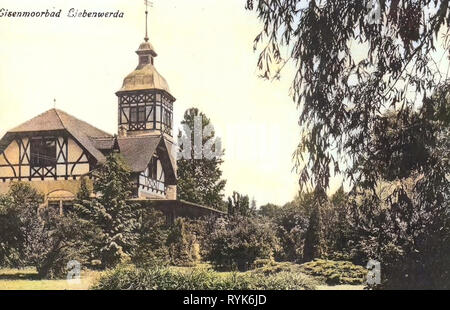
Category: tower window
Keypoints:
(137, 114)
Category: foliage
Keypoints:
(111, 215)
(52, 241)
(239, 204)
(11, 238)
(405, 223)
(84, 193)
(201, 229)
(183, 249)
(199, 177)
(380, 121)
(335, 272)
(128, 277)
(313, 236)
(269, 210)
(238, 241)
(338, 233)
(38, 236)
(151, 246)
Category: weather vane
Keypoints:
(147, 5)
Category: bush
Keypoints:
(238, 241)
(335, 272)
(183, 248)
(151, 246)
(162, 278)
(33, 235)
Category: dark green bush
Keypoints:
(238, 241)
(151, 246)
(182, 245)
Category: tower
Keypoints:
(145, 102)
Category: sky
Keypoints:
(205, 52)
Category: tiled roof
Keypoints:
(54, 119)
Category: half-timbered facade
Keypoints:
(55, 150)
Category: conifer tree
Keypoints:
(112, 215)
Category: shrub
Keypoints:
(238, 241)
(151, 246)
(263, 262)
(335, 272)
(161, 278)
(182, 246)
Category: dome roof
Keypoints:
(143, 78)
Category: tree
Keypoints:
(239, 204)
(199, 177)
(37, 235)
(111, 214)
(269, 210)
(84, 193)
(343, 102)
(15, 206)
(313, 236)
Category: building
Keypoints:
(54, 150)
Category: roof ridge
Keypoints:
(59, 117)
(138, 137)
(82, 121)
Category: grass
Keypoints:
(27, 279)
(321, 274)
(199, 278)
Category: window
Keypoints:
(153, 168)
(141, 114)
(137, 115)
(133, 115)
(144, 60)
(43, 152)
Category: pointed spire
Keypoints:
(147, 5)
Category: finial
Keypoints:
(147, 5)
(54, 103)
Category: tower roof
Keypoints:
(145, 77)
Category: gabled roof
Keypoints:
(138, 151)
(54, 120)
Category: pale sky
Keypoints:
(205, 52)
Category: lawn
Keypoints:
(26, 279)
